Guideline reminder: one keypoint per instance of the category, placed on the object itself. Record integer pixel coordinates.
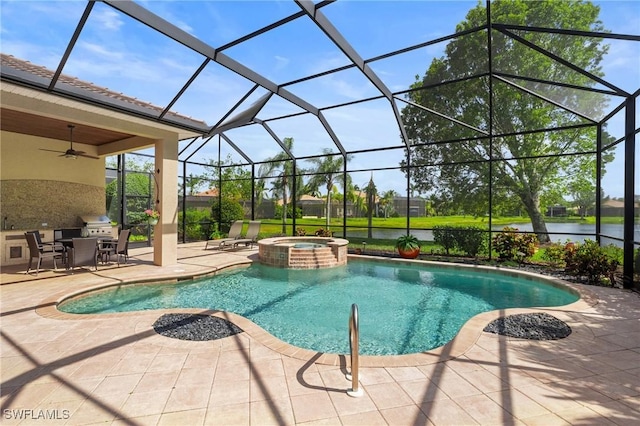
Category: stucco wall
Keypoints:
(30, 203)
(39, 187)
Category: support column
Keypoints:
(629, 190)
(165, 243)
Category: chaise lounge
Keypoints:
(234, 234)
(250, 238)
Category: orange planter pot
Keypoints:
(409, 254)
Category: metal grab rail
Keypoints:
(354, 342)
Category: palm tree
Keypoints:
(328, 169)
(387, 201)
(354, 194)
(280, 165)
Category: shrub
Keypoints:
(229, 211)
(554, 254)
(301, 232)
(614, 252)
(323, 233)
(504, 243)
(470, 240)
(197, 224)
(278, 212)
(590, 260)
(215, 233)
(511, 245)
(445, 236)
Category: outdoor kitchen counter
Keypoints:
(14, 249)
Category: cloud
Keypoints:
(108, 19)
(101, 51)
(281, 62)
(345, 88)
(327, 62)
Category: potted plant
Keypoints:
(152, 216)
(216, 234)
(408, 246)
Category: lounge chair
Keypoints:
(234, 233)
(252, 235)
(84, 253)
(37, 251)
(119, 248)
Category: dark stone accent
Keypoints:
(538, 326)
(194, 327)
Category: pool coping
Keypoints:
(468, 335)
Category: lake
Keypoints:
(560, 232)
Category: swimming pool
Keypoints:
(404, 308)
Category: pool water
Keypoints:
(308, 245)
(402, 308)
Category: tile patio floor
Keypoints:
(114, 369)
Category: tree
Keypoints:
(193, 184)
(372, 193)
(234, 184)
(139, 187)
(583, 192)
(226, 212)
(386, 202)
(526, 166)
(328, 169)
(281, 166)
(354, 194)
(236, 180)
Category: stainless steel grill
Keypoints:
(97, 226)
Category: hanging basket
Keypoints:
(152, 221)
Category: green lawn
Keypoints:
(274, 226)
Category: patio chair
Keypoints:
(47, 245)
(119, 248)
(84, 253)
(37, 252)
(234, 233)
(250, 238)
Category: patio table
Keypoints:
(68, 244)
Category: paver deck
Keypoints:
(114, 369)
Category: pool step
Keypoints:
(312, 258)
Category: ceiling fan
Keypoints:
(71, 153)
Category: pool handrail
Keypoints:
(354, 350)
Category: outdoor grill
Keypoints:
(97, 226)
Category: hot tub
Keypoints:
(303, 252)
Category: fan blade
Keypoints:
(82, 154)
(71, 152)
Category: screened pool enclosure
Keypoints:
(375, 119)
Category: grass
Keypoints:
(272, 227)
(311, 224)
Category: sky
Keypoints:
(118, 53)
